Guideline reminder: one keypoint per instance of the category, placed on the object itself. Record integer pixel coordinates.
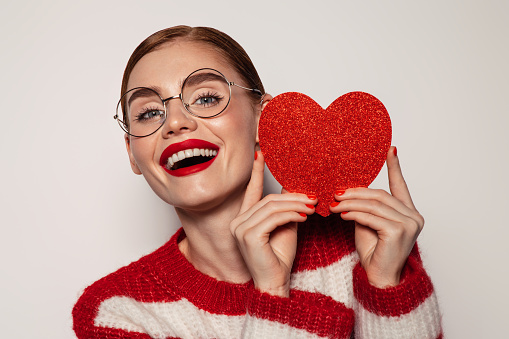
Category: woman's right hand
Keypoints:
(266, 232)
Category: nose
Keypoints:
(178, 120)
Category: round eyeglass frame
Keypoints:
(120, 105)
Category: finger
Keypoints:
(274, 198)
(408, 228)
(309, 195)
(369, 194)
(373, 207)
(397, 183)
(277, 205)
(254, 190)
(264, 227)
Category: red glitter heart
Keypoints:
(315, 151)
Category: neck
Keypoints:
(209, 244)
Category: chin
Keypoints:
(208, 198)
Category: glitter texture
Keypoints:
(316, 151)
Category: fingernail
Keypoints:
(310, 206)
(312, 196)
(395, 151)
(334, 204)
(340, 192)
(303, 214)
(256, 155)
(343, 213)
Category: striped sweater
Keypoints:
(163, 296)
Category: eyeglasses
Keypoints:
(205, 93)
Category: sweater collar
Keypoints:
(204, 291)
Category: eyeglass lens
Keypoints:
(205, 93)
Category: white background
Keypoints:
(72, 211)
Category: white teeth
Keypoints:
(189, 153)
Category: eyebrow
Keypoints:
(197, 79)
(143, 92)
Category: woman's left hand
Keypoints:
(386, 225)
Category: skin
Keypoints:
(232, 232)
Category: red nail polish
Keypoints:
(340, 192)
(334, 204)
(312, 196)
(310, 206)
(303, 214)
(256, 155)
(343, 213)
(395, 151)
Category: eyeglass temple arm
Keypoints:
(248, 89)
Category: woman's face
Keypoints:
(233, 134)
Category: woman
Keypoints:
(243, 265)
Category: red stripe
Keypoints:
(110, 333)
(312, 312)
(414, 289)
(323, 241)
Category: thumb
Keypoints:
(397, 183)
(254, 190)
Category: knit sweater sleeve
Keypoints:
(90, 322)
(124, 304)
(409, 310)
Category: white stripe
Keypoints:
(257, 328)
(160, 320)
(334, 280)
(421, 323)
(183, 319)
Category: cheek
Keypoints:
(142, 151)
(240, 123)
(241, 137)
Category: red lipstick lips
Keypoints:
(187, 145)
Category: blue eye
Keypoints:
(150, 115)
(207, 100)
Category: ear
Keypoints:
(134, 166)
(266, 98)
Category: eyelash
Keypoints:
(145, 111)
(209, 95)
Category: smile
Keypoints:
(188, 157)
